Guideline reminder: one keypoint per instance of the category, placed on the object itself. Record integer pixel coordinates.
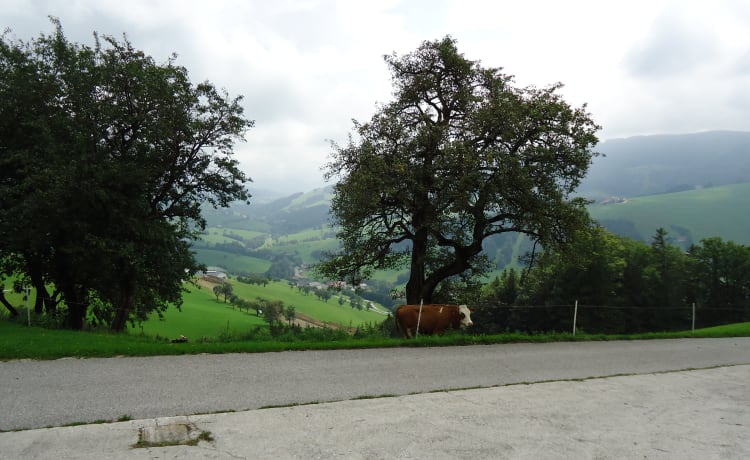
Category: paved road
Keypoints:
(51, 393)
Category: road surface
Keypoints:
(53, 393)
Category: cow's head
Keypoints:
(465, 314)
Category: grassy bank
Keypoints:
(18, 341)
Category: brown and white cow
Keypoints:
(435, 319)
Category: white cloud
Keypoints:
(307, 67)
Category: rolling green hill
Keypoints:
(330, 311)
(203, 316)
(688, 216)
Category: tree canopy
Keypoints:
(459, 154)
(622, 286)
(106, 158)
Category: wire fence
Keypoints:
(577, 317)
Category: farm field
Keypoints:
(310, 305)
(203, 316)
(708, 212)
(235, 263)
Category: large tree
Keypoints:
(460, 154)
(107, 158)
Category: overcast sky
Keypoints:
(307, 67)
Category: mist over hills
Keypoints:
(629, 167)
(647, 165)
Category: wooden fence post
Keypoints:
(693, 328)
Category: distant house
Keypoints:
(214, 272)
(336, 284)
(317, 285)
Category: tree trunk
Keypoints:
(4, 301)
(122, 314)
(76, 311)
(415, 292)
(42, 297)
(34, 267)
(124, 305)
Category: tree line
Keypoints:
(623, 285)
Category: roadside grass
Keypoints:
(18, 341)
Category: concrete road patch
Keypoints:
(695, 414)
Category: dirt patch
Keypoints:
(208, 282)
(302, 320)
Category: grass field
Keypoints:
(201, 316)
(215, 235)
(18, 341)
(715, 211)
(235, 263)
(330, 312)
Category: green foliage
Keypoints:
(622, 286)
(459, 155)
(107, 156)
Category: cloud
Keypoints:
(307, 67)
(674, 46)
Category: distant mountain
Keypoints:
(671, 181)
(647, 165)
(288, 214)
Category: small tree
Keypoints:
(227, 290)
(290, 314)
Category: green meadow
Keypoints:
(235, 263)
(18, 341)
(202, 315)
(706, 212)
(214, 235)
(310, 305)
